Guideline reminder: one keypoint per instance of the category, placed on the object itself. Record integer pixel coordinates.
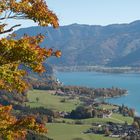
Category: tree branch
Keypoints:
(16, 16)
(11, 29)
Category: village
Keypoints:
(114, 130)
(92, 108)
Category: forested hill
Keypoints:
(112, 45)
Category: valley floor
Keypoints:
(67, 129)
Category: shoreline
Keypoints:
(127, 94)
(117, 96)
(137, 114)
(102, 69)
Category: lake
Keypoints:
(131, 82)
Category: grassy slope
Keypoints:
(69, 132)
(51, 101)
(108, 107)
(121, 118)
(116, 118)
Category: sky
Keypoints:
(102, 12)
(93, 12)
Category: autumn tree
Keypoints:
(37, 99)
(12, 128)
(26, 51)
(136, 124)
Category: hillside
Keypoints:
(112, 45)
(46, 80)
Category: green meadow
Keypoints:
(69, 130)
(48, 100)
(59, 131)
(116, 118)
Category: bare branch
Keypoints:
(11, 29)
(13, 16)
(7, 17)
(10, 13)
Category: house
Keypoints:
(60, 93)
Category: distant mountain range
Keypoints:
(81, 45)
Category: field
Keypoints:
(109, 107)
(59, 131)
(48, 100)
(69, 130)
(116, 118)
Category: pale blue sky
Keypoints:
(101, 12)
(93, 12)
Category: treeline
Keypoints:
(35, 136)
(82, 112)
(47, 83)
(92, 92)
(44, 81)
(12, 98)
(125, 111)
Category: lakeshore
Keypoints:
(106, 80)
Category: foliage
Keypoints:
(37, 99)
(32, 136)
(81, 112)
(11, 128)
(124, 110)
(36, 10)
(40, 111)
(12, 98)
(25, 50)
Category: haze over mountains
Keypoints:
(112, 45)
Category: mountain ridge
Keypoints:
(83, 44)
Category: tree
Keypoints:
(131, 112)
(107, 132)
(37, 99)
(24, 51)
(136, 124)
(12, 128)
(94, 113)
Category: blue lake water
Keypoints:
(131, 82)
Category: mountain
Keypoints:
(112, 45)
